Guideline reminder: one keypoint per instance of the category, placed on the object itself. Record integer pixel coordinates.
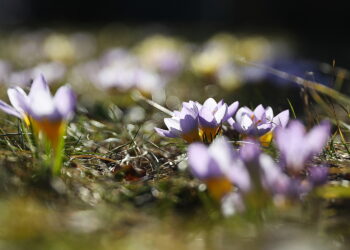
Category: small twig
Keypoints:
(13, 134)
(137, 96)
(93, 156)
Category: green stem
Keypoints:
(58, 155)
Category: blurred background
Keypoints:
(321, 26)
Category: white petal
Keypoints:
(220, 114)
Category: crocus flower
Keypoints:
(297, 147)
(47, 114)
(197, 122)
(215, 165)
(258, 123)
(252, 172)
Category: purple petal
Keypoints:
(231, 110)
(65, 102)
(243, 111)
(188, 124)
(272, 173)
(41, 104)
(165, 133)
(318, 175)
(281, 119)
(220, 113)
(199, 160)
(259, 112)
(18, 99)
(9, 110)
(206, 118)
(246, 123)
(317, 138)
(262, 129)
(222, 152)
(210, 104)
(39, 85)
(239, 175)
(172, 123)
(269, 114)
(249, 151)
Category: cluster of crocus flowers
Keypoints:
(247, 178)
(46, 114)
(198, 122)
(258, 123)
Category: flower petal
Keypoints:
(188, 124)
(246, 123)
(269, 114)
(9, 110)
(221, 113)
(206, 118)
(199, 160)
(172, 123)
(39, 85)
(41, 103)
(231, 110)
(317, 138)
(222, 152)
(165, 133)
(281, 119)
(210, 104)
(259, 112)
(18, 99)
(65, 102)
(241, 112)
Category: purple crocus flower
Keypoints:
(197, 122)
(251, 171)
(258, 122)
(46, 113)
(215, 165)
(297, 147)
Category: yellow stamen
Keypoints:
(26, 120)
(266, 139)
(218, 187)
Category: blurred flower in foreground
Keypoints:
(259, 123)
(46, 113)
(214, 164)
(248, 178)
(297, 147)
(256, 177)
(197, 122)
